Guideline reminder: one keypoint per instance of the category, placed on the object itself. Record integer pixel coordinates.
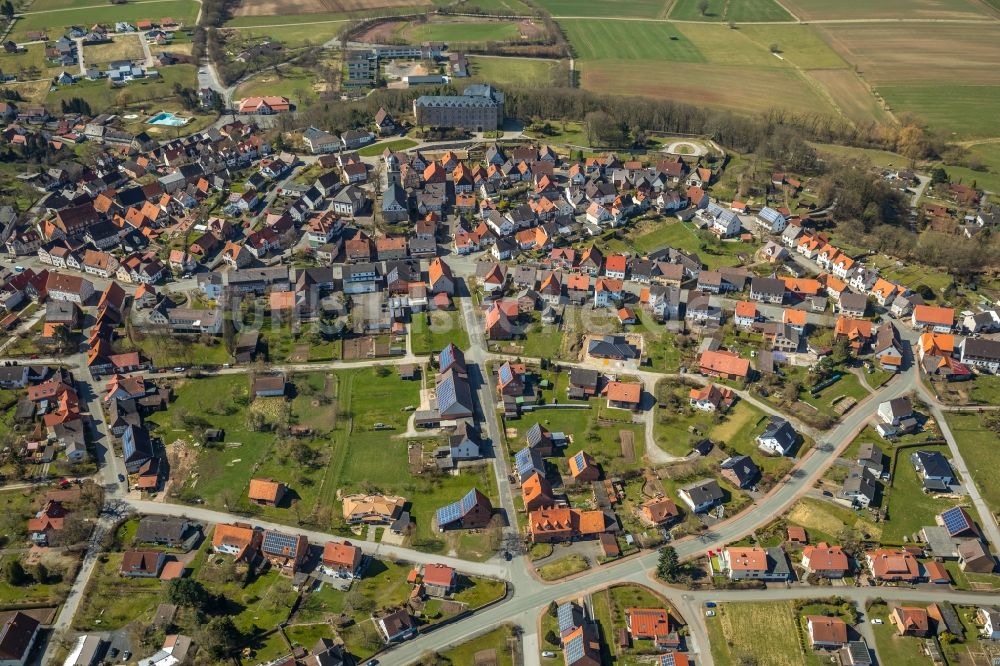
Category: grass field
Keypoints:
(123, 47)
(101, 97)
(376, 149)
(296, 34)
(980, 452)
(753, 629)
(959, 111)
(183, 11)
(909, 508)
(306, 7)
(432, 336)
(517, 71)
(295, 83)
(566, 566)
(610, 8)
(810, 10)
(728, 10)
(497, 639)
(824, 520)
(629, 40)
(682, 236)
(462, 32)
(17, 63)
(345, 441)
(799, 44)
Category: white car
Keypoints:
(710, 613)
(875, 620)
(548, 654)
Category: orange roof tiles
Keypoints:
(627, 392)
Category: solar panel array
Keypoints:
(667, 659)
(955, 521)
(578, 460)
(466, 503)
(449, 514)
(506, 373)
(446, 393)
(277, 542)
(573, 649)
(447, 356)
(528, 462)
(566, 620)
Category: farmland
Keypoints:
(305, 7)
(812, 10)
(721, 10)
(626, 58)
(625, 8)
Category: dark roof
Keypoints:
(705, 490)
(612, 346)
(743, 467)
(767, 286)
(16, 635)
(584, 377)
(153, 529)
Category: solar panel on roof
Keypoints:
(578, 460)
(446, 393)
(466, 503)
(449, 514)
(276, 542)
(506, 374)
(566, 620)
(447, 356)
(955, 520)
(574, 649)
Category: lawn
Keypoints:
(908, 507)
(562, 567)
(111, 602)
(985, 390)
(122, 47)
(978, 446)
(102, 97)
(753, 629)
(497, 639)
(295, 83)
(682, 236)
(518, 71)
(585, 434)
(905, 650)
(825, 520)
(377, 148)
(848, 386)
(183, 11)
(432, 331)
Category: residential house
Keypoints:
(702, 495)
(825, 561)
(778, 438)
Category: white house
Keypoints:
(989, 620)
(770, 221)
(778, 438)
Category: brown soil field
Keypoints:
(813, 10)
(850, 94)
(383, 33)
(292, 7)
(697, 83)
(919, 53)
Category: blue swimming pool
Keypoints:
(167, 118)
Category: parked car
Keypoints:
(549, 654)
(876, 620)
(710, 613)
